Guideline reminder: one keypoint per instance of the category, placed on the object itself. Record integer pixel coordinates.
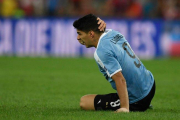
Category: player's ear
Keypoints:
(91, 33)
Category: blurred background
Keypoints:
(44, 27)
(166, 9)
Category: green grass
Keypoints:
(50, 88)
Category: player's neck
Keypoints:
(97, 38)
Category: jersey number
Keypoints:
(127, 48)
(115, 104)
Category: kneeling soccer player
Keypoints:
(134, 84)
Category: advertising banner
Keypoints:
(57, 37)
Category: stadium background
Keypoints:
(44, 27)
(44, 70)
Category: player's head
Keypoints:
(87, 30)
(87, 23)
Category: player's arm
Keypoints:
(102, 25)
(122, 91)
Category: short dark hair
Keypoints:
(87, 23)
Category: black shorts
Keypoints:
(111, 102)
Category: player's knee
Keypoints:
(87, 102)
(82, 103)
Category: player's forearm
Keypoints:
(122, 93)
(121, 89)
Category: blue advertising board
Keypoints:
(57, 37)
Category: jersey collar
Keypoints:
(107, 30)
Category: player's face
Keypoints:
(84, 38)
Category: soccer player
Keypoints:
(116, 60)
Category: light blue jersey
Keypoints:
(114, 54)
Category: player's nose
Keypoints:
(78, 38)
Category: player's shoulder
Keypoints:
(103, 50)
(100, 52)
(108, 42)
(110, 36)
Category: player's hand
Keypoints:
(122, 110)
(102, 26)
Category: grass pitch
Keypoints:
(50, 88)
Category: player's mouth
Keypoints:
(82, 42)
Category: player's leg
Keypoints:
(87, 102)
(107, 102)
(111, 102)
(100, 102)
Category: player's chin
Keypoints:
(88, 46)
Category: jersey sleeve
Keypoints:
(103, 72)
(108, 62)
